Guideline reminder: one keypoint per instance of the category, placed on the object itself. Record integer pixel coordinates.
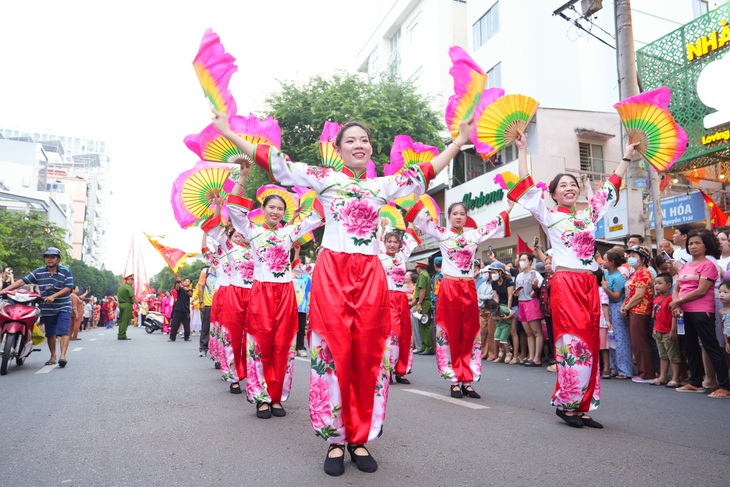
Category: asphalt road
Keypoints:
(148, 412)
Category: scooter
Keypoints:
(17, 319)
(153, 321)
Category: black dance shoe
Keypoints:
(278, 412)
(235, 388)
(364, 463)
(590, 422)
(335, 466)
(469, 391)
(456, 391)
(261, 412)
(572, 420)
(401, 379)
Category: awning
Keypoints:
(422, 255)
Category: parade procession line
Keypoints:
(458, 402)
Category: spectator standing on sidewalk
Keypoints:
(422, 302)
(206, 289)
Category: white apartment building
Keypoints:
(524, 48)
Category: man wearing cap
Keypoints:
(127, 300)
(423, 306)
(55, 283)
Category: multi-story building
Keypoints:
(73, 171)
(526, 47)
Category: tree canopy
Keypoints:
(387, 105)
(101, 283)
(165, 279)
(24, 238)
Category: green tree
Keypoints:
(102, 283)
(388, 105)
(165, 279)
(24, 237)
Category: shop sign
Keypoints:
(676, 210)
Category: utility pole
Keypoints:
(629, 86)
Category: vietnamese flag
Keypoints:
(718, 218)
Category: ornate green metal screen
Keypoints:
(676, 61)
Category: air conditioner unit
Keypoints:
(589, 7)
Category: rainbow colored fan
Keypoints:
(406, 202)
(214, 67)
(431, 206)
(193, 190)
(394, 216)
(488, 97)
(306, 238)
(647, 119)
(210, 145)
(500, 121)
(327, 146)
(306, 198)
(469, 81)
(406, 153)
(506, 180)
(272, 189)
(256, 216)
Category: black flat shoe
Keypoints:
(401, 379)
(216, 365)
(62, 362)
(470, 392)
(590, 422)
(262, 413)
(456, 392)
(364, 463)
(279, 412)
(335, 466)
(572, 420)
(235, 388)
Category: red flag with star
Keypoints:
(718, 218)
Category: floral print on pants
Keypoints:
(622, 362)
(256, 387)
(574, 362)
(443, 357)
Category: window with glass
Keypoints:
(494, 76)
(484, 28)
(591, 159)
(411, 29)
(395, 54)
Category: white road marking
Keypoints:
(92, 339)
(77, 349)
(46, 369)
(303, 359)
(458, 402)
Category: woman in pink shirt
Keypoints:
(694, 298)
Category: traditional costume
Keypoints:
(272, 313)
(401, 354)
(349, 311)
(238, 266)
(458, 344)
(215, 344)
(574, 296)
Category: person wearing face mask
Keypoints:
(503, 287)
(271, 320)
(393, 259)
(232, 258)
(637, 307)
(528, 285)
(458, 350)
(574, 291)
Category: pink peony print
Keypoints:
(398, 274)
(246, 270)
(461, 258)
(319, 402)
(358, 217)
(582, 244)
(276, 259)
(599, 200)
(325, 355)
(579, 224)
(318, 172)
(442, 364)
(570, 387)
(489, 227)
(407, 176)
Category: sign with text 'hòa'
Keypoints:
(676, 210)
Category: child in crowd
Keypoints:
(605, 325)
(725, 312)
(503, 316)
(665, 332)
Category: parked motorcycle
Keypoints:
(153, 321)
(17, 319)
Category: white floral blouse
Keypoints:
(270, 246)
(351, 202)
(458, 247)
(237, 260)
(395, 265)
(571, 234)
(216, 259)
